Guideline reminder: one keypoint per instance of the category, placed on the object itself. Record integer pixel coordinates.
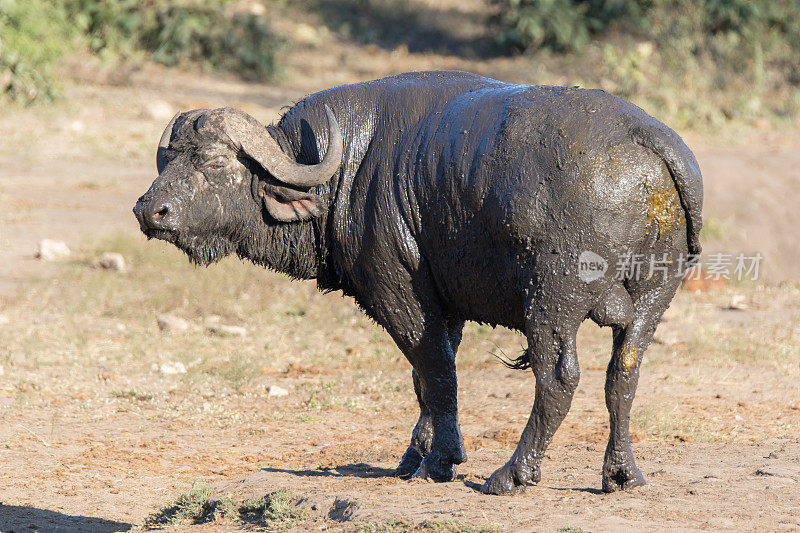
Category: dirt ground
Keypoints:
(96, 434)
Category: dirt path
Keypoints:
(74, 449)
(694, 487)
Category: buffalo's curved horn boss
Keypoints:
(248, 135)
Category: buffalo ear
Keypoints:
(289, 205)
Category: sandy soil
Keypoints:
(718, 409)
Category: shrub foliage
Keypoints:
(212, 33)
(563, 25)
(34, 34)
(697, 63)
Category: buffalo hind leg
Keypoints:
(622, 377)
(554, 360)
(422, 436)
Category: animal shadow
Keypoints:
(360, 470)
(25, 518)
(476, 486)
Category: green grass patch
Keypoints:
(88, 315)
(237, 369)
(188, 507)
(274, 511)
(225, 509)
(138, 396)
(772, 344)
(668, 426)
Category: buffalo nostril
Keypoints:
(161, 213)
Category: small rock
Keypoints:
(738, 302)
(112, 261)
(158, 110)
(71, 125)
(50, 250)
(2, 370)
(224, 330)
(168, 322)
(276, 392)
(212, 319)
(175, 367)
(4, 319)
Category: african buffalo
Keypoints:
(438, 197)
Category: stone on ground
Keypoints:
(171, 323)
(224, 330)
(50, 250)
(112, 261)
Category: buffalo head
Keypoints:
(220, 175)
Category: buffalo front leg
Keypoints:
(429, 351)
(440, 390)
(422, 436)
(619, 468)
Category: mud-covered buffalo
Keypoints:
(434, 198)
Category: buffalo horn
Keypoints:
(252, 138)
(163, 144)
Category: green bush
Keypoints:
(35, 34)
(562, 25)
(241, 42)
(696, 63)
(109, 27)
(207, 33)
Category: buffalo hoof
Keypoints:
(510, 478)
(622, 478)
(436, 468)
(409, 464)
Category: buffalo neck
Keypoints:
(288, 247)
